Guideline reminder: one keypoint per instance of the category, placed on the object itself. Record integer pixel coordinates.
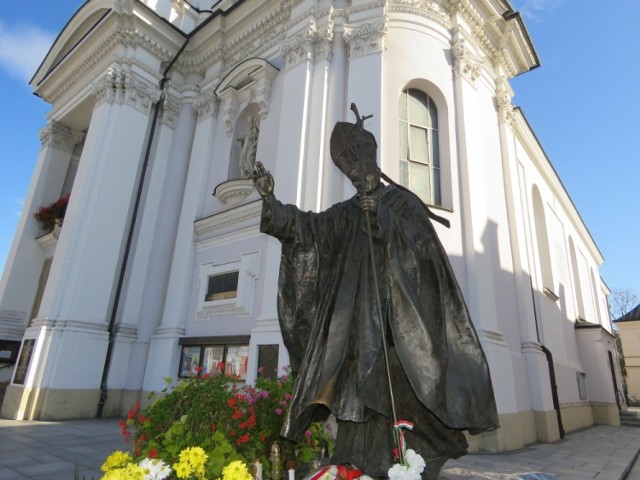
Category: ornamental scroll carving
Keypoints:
(504, 94)
(59, 136)
(207, 105)
(464, 63)
(366, 38)
(118, 86)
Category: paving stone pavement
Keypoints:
(51, 450)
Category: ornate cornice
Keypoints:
(131, 31)
(128, 30)
(59, 136)
(121, 87)
(436, 10)
(230, 49)
(366, 38)
(234, 216)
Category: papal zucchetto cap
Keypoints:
(345, 139)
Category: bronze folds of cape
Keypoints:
(331, 326)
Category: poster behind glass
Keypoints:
(213, 360)
(190, 361)
(236, 361)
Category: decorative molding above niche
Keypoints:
(248, 82)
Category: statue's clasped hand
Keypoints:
(263, 180)
(369, 203)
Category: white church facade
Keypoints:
(158, 268)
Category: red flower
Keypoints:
(237, 414)
(263, 437)
(213, 427)
(232, 433)
(232, 402)
(153, 453)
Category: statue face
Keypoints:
(365, 174)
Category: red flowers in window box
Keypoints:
(52, 214)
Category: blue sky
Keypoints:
(583, 104)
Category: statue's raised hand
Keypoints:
(263, 180)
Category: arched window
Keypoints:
(419, 149)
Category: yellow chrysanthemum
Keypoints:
(182, 469)
(236, 470)
(117, 459)
(131, 471)
(195, 456)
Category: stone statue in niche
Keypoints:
(375, 323)
(248, 149)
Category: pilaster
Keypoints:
(25, 260)
(71, 328)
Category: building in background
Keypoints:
(629, 330)
(158, 268)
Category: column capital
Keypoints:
(207, 105)
(465, 64)
(366, 38)
(118, 86)
(59, 136)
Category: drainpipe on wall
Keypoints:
(127, 250)
(552, 372)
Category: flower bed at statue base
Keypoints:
(214, 428)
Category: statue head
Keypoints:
(353, 150)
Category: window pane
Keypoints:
(222, 286)
(404, 173)
(212, 362)
(236, 361)
(435, 177)
(190, 361)
(419, 181)
(433, 115)
(404, 140)
(418, 108)
(403, 106)
(418, 139)
(268, 361)
(435, 148)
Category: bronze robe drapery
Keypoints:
(329, 320)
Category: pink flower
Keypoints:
(278, 411)
(287, 396)
(283, 403)
(307, 433)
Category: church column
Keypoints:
(480, 236)
(164, 351)
(365, 47)
(535, 360)
(70, 332)
(25, 260)
(332, 178)
(141, 312)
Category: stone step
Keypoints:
(629, 419)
